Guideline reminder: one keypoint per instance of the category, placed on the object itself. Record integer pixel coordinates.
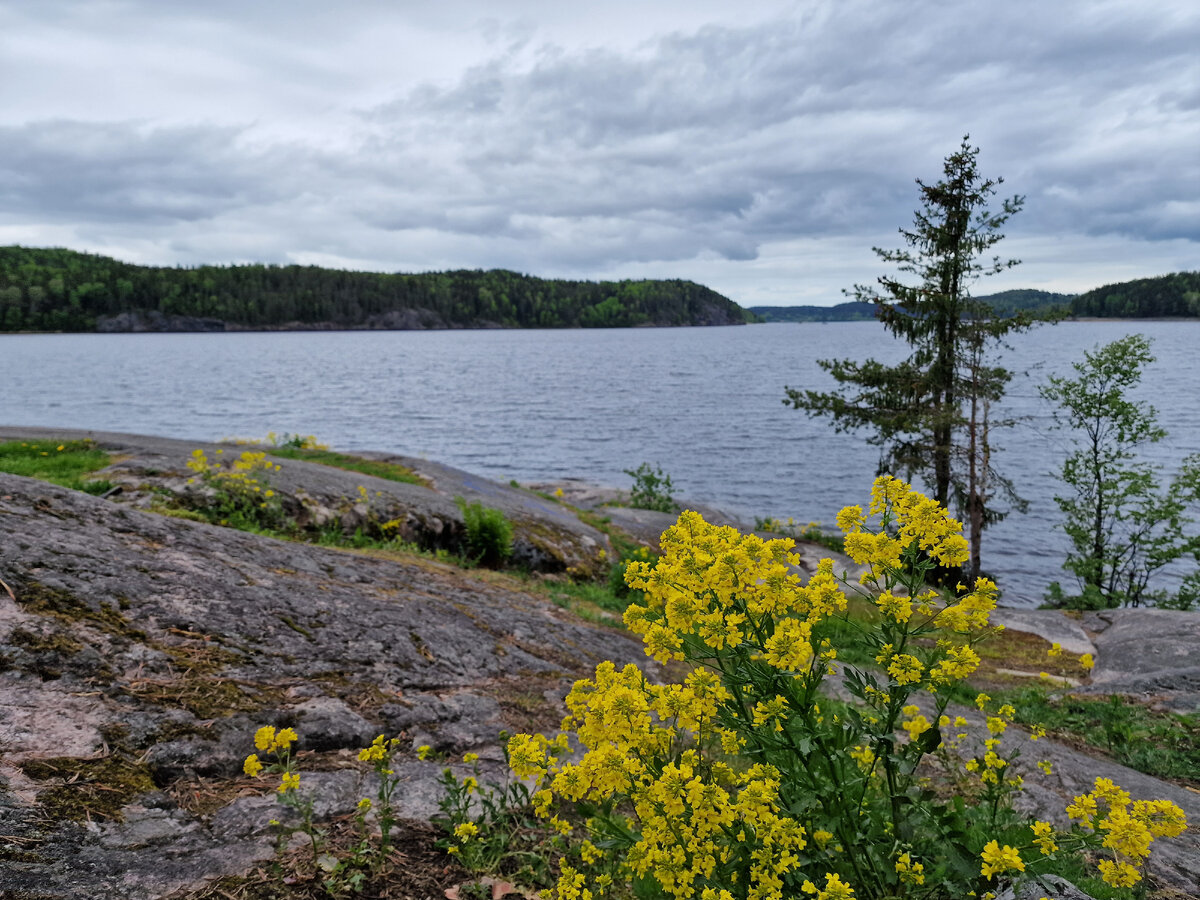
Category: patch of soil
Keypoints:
(417, 870)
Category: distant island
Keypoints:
(1167, 296)
(55, 289)
(64, 290)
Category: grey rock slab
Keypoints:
(1049, 624)
(547, 536)
(1152, 655)
(283, 633)
(1141, 641)
(1051, 887)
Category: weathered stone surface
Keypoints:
(548, 537)
(1051, 887)
(1152, 655)
(204, 633)
(1052, 625)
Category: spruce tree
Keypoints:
(930, 414)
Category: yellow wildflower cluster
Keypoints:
(1128, 827)
(714, 589)
(910, 872)
(693, 816)
(242, 482)
(380, 750)
(268, 740)
(278, 743)
(999, 859)
(914, 518)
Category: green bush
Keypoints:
(651, 489)
(489, 533)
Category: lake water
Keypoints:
(704, 403)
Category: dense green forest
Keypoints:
(63, 290)
(1167, 295)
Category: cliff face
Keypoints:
(141, 652)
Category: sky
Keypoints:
(761, 148)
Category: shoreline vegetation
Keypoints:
(56, 290)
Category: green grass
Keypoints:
(1161, 744)
(333, 459)
(64, 463)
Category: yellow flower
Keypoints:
(916, 726)
(1043, 836)
(982, 700)
(470, 757)
(264, 738)
(252, 766)
(997, 860)
(1087, 662)
(905, 669)
(465, 831)
(289, 782)
(835, 889)
(1083, 808)
(850, 519)
(1119, 874)
(285, 737)
(910, 872)
(424, 751)
(1055, 650)
(364, 805)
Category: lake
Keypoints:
(704, 403)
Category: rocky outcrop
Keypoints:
(141, 652)
(153, 320)
(548, 537)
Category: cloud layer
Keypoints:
(750, 155)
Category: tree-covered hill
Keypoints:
(1172, 295)
(63, 290)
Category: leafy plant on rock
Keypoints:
(489, 536)
(651, 489)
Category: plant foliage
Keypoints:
(930, 413)
(1124, 527)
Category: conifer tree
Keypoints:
(930, 414)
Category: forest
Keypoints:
(1176, 295)
(52, 289)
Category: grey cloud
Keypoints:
(76, 171)
(712, 141)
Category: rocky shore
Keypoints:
(141, 651)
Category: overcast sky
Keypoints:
(760, 148)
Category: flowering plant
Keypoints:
(745, 780)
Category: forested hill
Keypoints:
(1167, 296)
(63, 290)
